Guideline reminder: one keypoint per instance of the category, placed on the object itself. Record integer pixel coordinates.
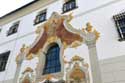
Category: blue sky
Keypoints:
(7, 6)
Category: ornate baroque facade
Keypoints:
(57, 30)
(64, 41)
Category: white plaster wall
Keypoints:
(14, 47)
(27, 24)
(102, 19)
(28, 41)
(82, 51)
(113, 70)
(55, 7)
(89, 5)
(10, 70)
(3, 35)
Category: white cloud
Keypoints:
(7, 6)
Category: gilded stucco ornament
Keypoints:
(49, 77)
(76, 58)
(30, 56)
(38, 30)
(64, 60)
(28, 69)
(27, 76)
(23, 48)
(88, 33)
(20, 56)
(75, 44)
(52, 39)
(39, 53)
(77, 74)
(59, 28)
(97, 34)
(65, 45)
(54, 29)
(77, 71)
(89, 29)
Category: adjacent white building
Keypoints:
(23, 49)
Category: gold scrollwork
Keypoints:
(29, 57)
(52, 39)
(89, 29)
(28, 69)
(76, 58)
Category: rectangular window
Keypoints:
(41, 17)
(69, 5)
(13, 29)
(0, 30)
(120, 24)
(3, 60)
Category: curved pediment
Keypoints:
(59, 27)
(54, 27)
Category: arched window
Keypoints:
(52, 62)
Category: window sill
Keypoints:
(69, 10)
(39, 22)
(11, 34)
(123, 39)
(2, 70)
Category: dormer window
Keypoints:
(41, 17)
(120, 24)
(69, 5)
(13, 29)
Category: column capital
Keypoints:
(90, 39)
(91, 44)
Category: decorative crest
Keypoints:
(77, 58)
(90, 29)
(28, 69)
